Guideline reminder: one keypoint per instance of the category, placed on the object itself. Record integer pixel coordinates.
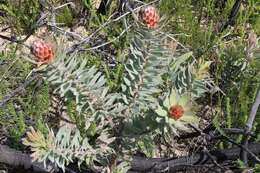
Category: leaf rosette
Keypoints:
(178, 111)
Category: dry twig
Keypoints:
(248, 127)
(16, 158)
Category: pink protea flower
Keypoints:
(176, 112)
(150, 16)
(42, 51)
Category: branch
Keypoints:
(15, 40)
(249, 125)
(111, 19)
(109, 42)
(16, 158)
(139, 164)
(232, 14)
(177, 164)
(212, 130)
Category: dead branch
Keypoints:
(15, 40)
(232, 14)
(212, 131)
(140, 164)
(249, 125)
(111, 19)
(16, 158)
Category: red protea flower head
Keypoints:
(150, 16)
(176, 112)
(42, 51)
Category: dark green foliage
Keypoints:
(30, 107)
(239, 80)
(21, 15)
(257, 168)
(65, 16)
(198, 23)
(255, 17)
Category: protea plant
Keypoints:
(178, 111)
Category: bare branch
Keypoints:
(110, 20)
(16, 158)
(249, 125)
(178, 164)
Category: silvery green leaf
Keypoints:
(127, 81)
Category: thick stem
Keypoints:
(16, 158)
(140, 164)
